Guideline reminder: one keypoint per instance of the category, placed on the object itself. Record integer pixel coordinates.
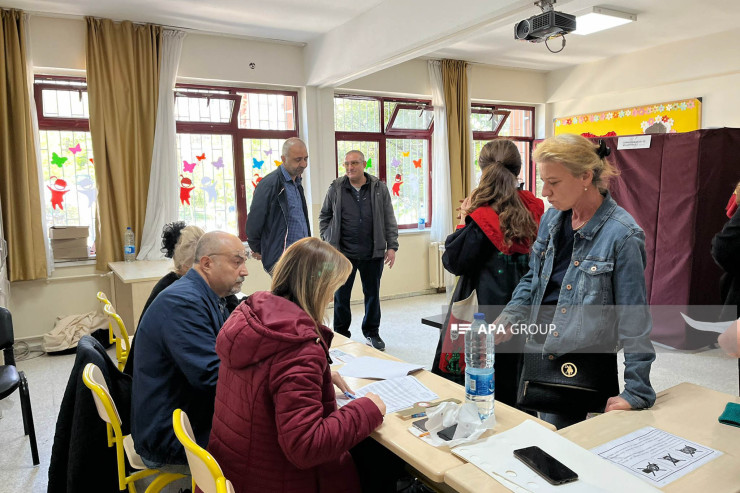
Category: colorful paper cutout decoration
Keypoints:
(256, 180)
(256, 163)
(395, 162)
(74, 150)
(185, 189)
(91, 161)
(188, 167)
(57, 193)
(201, 157)
(277, 163)
(56, 159)
(369, 163)
(405, 154)
(210, 188)
(268, 152)
(86, 187)
(397, 186)
(218, 163)
(232, 208)
(417, 163)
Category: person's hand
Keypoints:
(377, 401)
(617, 403)
(500, 337)
(390, 258)
(256, 255)
(729, 340)
(337, 380)
(464, 210)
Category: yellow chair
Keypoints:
(94, 380)
(205, 471)
(119, 335)
(103, 298)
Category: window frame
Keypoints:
(387, 132)
(237, 134)
(53, 122)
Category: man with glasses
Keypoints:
(176, 364)
(357, 218)
(278, 216)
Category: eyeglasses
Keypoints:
(347, 164)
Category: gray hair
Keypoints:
(290, 143)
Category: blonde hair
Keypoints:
(185, 249)
(578, 155)
(308, 274)
(737, 193)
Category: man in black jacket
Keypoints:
(278, 216)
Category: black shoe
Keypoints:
(376, 342)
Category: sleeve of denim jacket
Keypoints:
(634, 322)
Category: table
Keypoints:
(435, 321)
(340, 340)
(131, 285)
(430, 461)
(686, 410)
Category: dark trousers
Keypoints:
(370, 272)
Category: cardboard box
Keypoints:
(69, 248)
(66, 232)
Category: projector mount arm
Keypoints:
(545, 5)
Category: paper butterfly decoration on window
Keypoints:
(57, 189)
(257, 164)
(188, 167)
(417, 163)
(56, 159)
(405, 154)
(218, 163)
(210, 188)
(91, 161)
(395, 162)
(74, 150)
(397, 185)
(201, 157)
(185, 189)
(268, 152)
(277, 163)
(369, 163)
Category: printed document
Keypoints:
(369, 367)
(397, 393)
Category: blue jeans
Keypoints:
(370, 272)
(167, 468)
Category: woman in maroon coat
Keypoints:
(276, 426)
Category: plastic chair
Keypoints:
(11, 379)
(119, 335)
(102, 298)
(205, 471)
(94, 380)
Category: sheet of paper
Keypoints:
(718, 327)
(369, 367)
(397, 393)
(338, 356)
(655, 455)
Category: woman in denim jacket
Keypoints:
(586, 280)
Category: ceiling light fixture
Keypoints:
(598, 19)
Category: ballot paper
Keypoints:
(338, 356)
(656, 456)
(718, 327)
(396, 393)
(369, 367)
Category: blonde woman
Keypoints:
(276, 426)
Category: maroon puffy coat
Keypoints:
(276, 427)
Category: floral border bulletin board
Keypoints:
(661, 118)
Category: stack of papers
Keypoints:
(397, 393)
(368, 367)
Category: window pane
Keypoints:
(369, 149)
(265, 111)
(407, 170)
(261, 157)
(194, 109)
(356, 115)
(206, 169)
(519, 124)
(70, 194)
(485, 122)
(64, 104)
(408, 119)
(523, 150)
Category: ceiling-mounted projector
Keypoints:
(549, 23)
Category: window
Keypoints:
(396, 137)
(228, 139)
(515, 123)
(70, 194)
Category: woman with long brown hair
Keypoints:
(490, 251)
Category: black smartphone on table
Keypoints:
(445, 434)
(547, 466)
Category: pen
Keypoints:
(350, 396)
(418, 415)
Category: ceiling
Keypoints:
(302, 21)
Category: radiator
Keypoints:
(436, 269)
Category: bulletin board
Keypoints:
(671, 117)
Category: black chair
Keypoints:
(11, 379)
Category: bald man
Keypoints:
(278, 216)
(176, 364)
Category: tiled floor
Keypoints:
(405, 338)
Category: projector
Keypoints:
(539, 28)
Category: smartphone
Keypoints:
(547, 466)
(445, 434)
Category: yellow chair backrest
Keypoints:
(206, 472)
(118, 328)
(94, 380)
(103, 298)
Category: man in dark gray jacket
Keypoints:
(357, 218)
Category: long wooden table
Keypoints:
(686, 410)
(432, 462)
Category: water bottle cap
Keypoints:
(129, 227)
(479, 316)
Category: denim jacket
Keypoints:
(602, 301)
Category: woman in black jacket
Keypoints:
(490, 253)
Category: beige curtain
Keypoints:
(455, 82)
(19, 179)
(123, 64)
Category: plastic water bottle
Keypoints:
(479, 357)
(129, 245)
(422, 218)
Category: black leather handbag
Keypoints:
(571, 383)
